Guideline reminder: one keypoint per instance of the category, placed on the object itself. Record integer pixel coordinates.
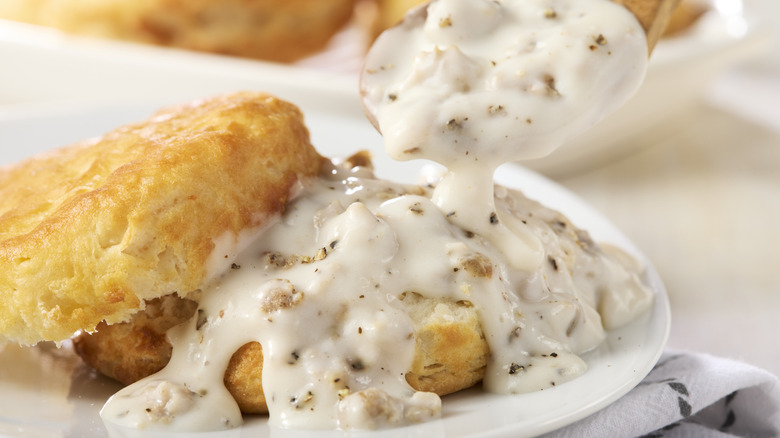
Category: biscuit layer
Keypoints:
(88, 232)
(450, 349)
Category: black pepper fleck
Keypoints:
(549, 82)
(553, 262)
(453, 124)
(495, 109)
(558, 225)
(202, 319)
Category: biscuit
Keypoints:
(276, 30)
(91, 231)
(450, 354)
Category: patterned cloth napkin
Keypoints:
(690, 395)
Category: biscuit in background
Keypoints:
(274, 30)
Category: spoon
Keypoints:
(653, 16)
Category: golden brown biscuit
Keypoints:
(450, 350)
(90, 231)
(128, 352)
(277, 30)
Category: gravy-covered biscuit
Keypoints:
(450, 349)
(88, 232)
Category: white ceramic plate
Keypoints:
(42, 65)
(47, 392)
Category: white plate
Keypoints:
(44, 65)
(47, 392)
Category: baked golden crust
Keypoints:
(132, 351)
(88, 232)
(277, 30)
(450, 350)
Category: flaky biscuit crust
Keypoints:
(88, 232)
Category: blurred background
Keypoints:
(701, 198)
(689, 169)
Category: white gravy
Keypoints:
(477, 84)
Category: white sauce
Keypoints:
(486, 82)
(320, 289)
